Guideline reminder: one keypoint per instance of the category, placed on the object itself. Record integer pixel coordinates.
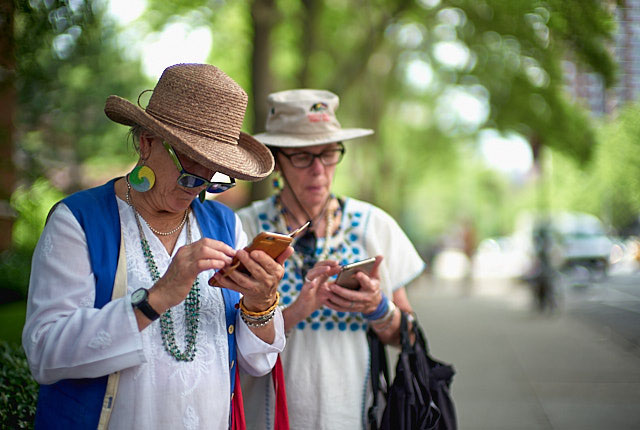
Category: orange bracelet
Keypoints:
(262, 313)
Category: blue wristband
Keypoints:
(380, 311)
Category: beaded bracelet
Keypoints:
(380, 311)
(259, 319)
(250, 323)
(261, 313)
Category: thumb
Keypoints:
(374, 271)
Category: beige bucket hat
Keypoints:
(199, 110)
(305, 117)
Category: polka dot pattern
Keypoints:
(346, 247)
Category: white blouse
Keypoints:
(66, 337)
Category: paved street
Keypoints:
(517, 369)
(611, 305)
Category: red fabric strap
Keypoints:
(282, 413)
(237, 405)
(238, 421)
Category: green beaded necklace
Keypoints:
(191, 303)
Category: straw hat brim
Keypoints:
(292, 140)
(248, 160)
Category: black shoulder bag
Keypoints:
(418, 397)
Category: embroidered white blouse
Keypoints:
(326, 361)
(66, 337)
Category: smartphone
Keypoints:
(273, 244)
(346, 276)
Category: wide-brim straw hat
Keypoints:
(199, 110)
(305, 117)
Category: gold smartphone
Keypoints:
(273, 244)
(346, 277)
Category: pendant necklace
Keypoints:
(191, 303)
(330, 215)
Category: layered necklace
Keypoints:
(191, 303)
(329, 219)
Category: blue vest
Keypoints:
(77, 403)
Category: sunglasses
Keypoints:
(328, 157)
(189, 180)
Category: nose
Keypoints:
(317, 166)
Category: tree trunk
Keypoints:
(7, 109)
(263, 14)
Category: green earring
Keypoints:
(142, 178)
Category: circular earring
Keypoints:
(142, 178)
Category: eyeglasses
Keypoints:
(189, 180)
(328, 157)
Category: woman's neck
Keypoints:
(297, 210)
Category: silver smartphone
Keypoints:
(346, 277)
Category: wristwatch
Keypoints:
(140, 300)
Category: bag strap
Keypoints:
(379, 366)
(119, 290)
(282, 412)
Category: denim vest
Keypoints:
(77, 403)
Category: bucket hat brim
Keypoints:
(248, 160)
(290, 140)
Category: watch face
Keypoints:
(138, 296)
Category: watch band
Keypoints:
(145, 307)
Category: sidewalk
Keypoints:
(518, 370)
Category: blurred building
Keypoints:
(589, 87)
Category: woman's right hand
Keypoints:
(204, 254)
(314, 293)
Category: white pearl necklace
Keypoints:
(159, 233)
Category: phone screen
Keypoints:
(346, 277)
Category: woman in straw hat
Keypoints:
(122, 329)
(327, 355)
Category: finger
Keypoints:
(217, 245)
(254, 262)
(223, 281)
(328, 263)
(346, 294)
(317, 272)
(285, 254)
(340, 304)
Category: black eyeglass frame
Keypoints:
(340, 149)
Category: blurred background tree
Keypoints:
(433, 78)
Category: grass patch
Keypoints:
(12, 316)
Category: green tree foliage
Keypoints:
(517, 52)
(32, 204)
(384, 59)
(609, 186)
(68, 62)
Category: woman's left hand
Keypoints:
(364, 300)
(259, 288)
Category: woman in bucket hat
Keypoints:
(122, 329)
(326, 361)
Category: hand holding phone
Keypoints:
(346, 277)
(273, 244)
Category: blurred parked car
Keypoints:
(578, 240)
(583, 240)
